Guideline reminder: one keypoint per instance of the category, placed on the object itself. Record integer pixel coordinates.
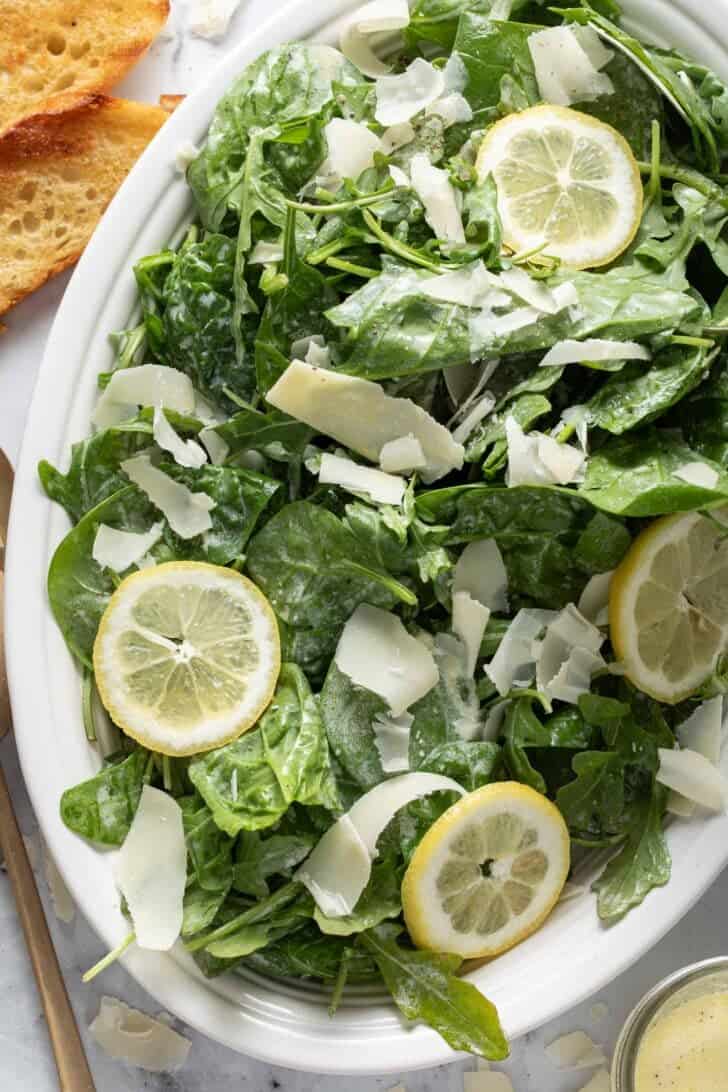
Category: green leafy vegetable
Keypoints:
(102, 808)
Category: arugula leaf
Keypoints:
(210, 850)
(102, 808)
(642, 864)
(634, 475)
(424, 986)
(249, 784)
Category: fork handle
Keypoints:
(74, 1074)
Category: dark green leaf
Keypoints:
(102, 808)
(641, 865)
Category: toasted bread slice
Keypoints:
(51, 46)
(58, 172)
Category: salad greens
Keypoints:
(288, 258)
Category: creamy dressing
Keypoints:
(687, 1049)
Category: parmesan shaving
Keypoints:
(119, 550)
(403, 454)
(392, 736)
(187, 513)
(600, 1082)
(594, 600)
(211, 18)
(481, 571)
(578, 417)
(217, 448)
(186, 153)
(593, 350)
(514, 663)
(184, 452)
(469, 619)
(470, 286)
(699, 474)
(691, 775)
(567, 66)
(568, 657)
(376, 651)
(380, 487)
(338, 869)
(576, 1051)
(531, 291)
(484, 1080)
(151, 870)
(147, 385)
(266, 254)
(703, 730)
(399, 177)
(478, 413)
(374, 18)
(358, 414)
(400, 97)
(453, 109)
(128, 1035)
(437, 193)
(537, 459)
(395, 137)
(351, 147)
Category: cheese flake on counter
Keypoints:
(184, 452)
(600, 1082)
(437, 193)
(151, 870)
(128, 1035)
(376, 652)
(359, 415)
(567, 65)
(400, 97)
(119, 550)
(487, 1080)
(146, 385)
(469, 620)
(481, 571)
(593, 349)
(692, 776)
(211, 18)
(61, 897)
(380, 487)
(577, 1050)
(404, 454)
(338, 869)
(187, 513)
(351, 147)
(377, 17)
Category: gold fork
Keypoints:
(74, 1074)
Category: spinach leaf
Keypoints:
(634, 475)
(249, 936)
(259, 858)
(471, 763)
(450, 711)
(435, 22)
(499, 66)
(210, 850)
(348, 713)
(102, 808)
(251, 430)
(424, 986)
(705, 420)
(249, 784)
(640, 393)
(642, 864)
(489, 438)
(200, 907)
(380, 899)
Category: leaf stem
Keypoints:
(344, 206)
(687, 177)
(402, 593)
(693, 342)
(108, 959)
(340, 984)
(352, 267)
(251, 916)
(401, 250)
(653, 186)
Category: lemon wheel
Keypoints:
(566, 183)
(187, 656)
(487, 873)
(668, 605)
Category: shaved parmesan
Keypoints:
(600, 1082)
(395, 137)
(61, 898)
(484, 1080)
(694, 777)
(537, 459)
(599, 1012)
(494, 721)
(119, 550)
(377, 652)
(460, 381)
(452, 109)
(403, 454)
(478, 413)
(184, 452)
(534, 292)
(151, 870)
(700, 474)
(265, 254)
(187, 513)
(594, 600)
(128, 1035)
(211, 18)
(351, 148)
(185, 154)
(469, 619)
(481, 571)
(338, 869)
(703, 730)
(392, 736)
(578, 417)
(374, 18)
(400, 97)
(217, 448)
(574, 676)
(678, 805)
(437, 193)
(514, 663)
(399, 177)
(358, 414)
(575, 1051)
(471, 286)
(486, 328)
(455, 73)
(147, 385)
(593, 349)
(567, 66)
(380, 487)
(568, 657)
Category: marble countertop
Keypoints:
(175, 64)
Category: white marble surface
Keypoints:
(176, 64)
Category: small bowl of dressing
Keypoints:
(676, 1038)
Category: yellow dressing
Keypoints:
(686, 1050)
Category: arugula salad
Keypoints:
(398, 574)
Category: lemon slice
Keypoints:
(187, 656)
(566, 183)
(487, 873)
(668, 605)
